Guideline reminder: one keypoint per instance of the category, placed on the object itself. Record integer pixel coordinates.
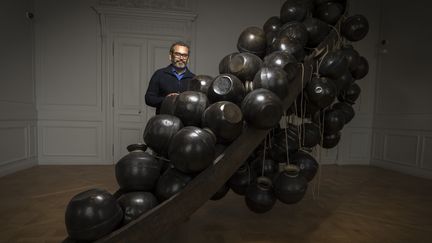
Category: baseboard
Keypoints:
(405, 169)
(16, 166)
(78, 162)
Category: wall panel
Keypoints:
(354, 147)
(378, 146)
(71, 143)
(15, 147)
(401, 148)
(426, 153)
(404, 150)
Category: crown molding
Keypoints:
(146, 13)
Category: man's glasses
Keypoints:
(180, 55)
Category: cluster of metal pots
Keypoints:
(270, 58)
(195, 126)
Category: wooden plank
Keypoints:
(150, 226)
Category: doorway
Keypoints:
(136, 43)
(135, 58)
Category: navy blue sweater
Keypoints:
(164, 82)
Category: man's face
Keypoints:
(179, 57)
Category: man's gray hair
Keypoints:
(179, 43)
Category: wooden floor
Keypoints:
(355, 204)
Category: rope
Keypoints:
(321, 60)
(286, 141)
(300, 128)
(339, 38)
(264, 155)
(320, 150)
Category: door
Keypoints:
(135, 58)
(404, 56)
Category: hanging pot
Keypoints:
(317, 31)
(329, 12)
(285, 44)
(295, 31)
(294, 10)
(252, 40)
(346, 109)
(262, 109)
(274, 79)
(259, 196)
(333, 65)
(350, 95)
(306, 163)
(268, 168)
(331, 140)
(321, 91)
(355, 27)
(362, 68)
(241, 179)
(272, 24)
(278, 150)
(220, 193)
(311, 135)
(289, 186)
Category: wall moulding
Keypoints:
(402, 148)
(149, 27)
(149, 4)
(426, 153)
(121, 11)
(151, 22)
(78, 140)
(415, 171)
(17, 111)
(403, 122)
(16, 148)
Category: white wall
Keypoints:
(71, 96)
(402, 135)
(17, 88)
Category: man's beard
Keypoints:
(179, 64)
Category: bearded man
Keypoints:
(172, 79)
